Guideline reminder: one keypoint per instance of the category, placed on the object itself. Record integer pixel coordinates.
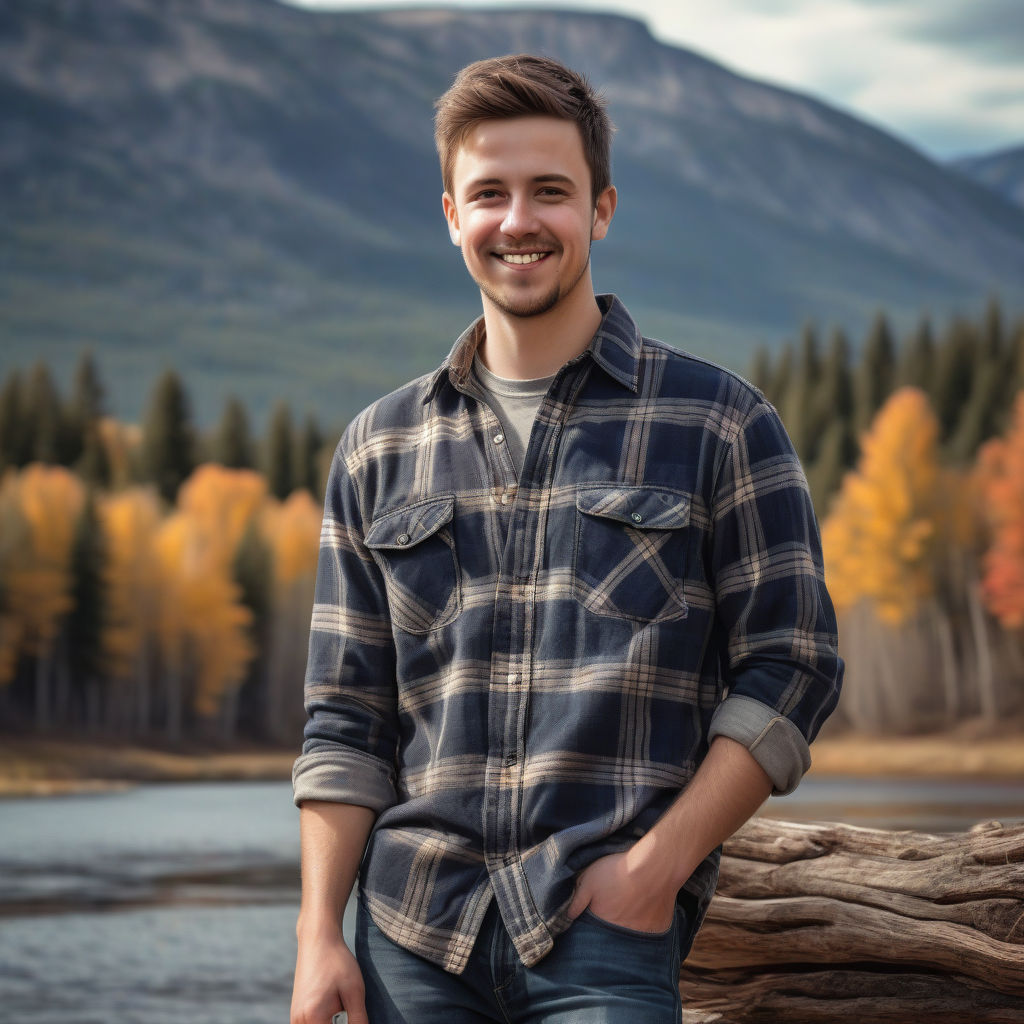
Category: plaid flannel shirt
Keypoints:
(519, 674)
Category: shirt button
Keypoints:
(636, 517)
(498, 438)
(403, 538)
(512, 679)
(505, 499)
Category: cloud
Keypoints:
(992, 30)
(947, 75)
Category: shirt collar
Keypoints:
(615, 347)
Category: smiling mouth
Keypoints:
(519, 258)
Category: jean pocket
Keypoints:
(618, 929)
(630, 551)
(415, 549)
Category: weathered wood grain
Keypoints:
(828, 922)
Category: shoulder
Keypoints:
(395, 413)
(676, 375)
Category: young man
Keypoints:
(570, 628)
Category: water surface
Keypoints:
(177, 903)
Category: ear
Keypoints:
(451, 214)
(604, 210)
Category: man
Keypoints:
(570, 628)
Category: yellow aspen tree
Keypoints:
(886, 542)
(170, 549)
(131, 520)
(880, 534)
(292, 529)
(49, 499)
(197, 548)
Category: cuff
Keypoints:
(775, 742)
(344, 777)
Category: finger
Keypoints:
(355, 1009)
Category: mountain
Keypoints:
(1002, 171)
(249, 192)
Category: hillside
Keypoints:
(249, 192)
(1002, 171)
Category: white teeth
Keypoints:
(529, 257)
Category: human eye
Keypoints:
(486, 194)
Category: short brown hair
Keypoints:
(523, 86)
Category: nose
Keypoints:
(520, 217)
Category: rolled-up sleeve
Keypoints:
(348, 753)
(782, 667)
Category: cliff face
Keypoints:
(250, 191)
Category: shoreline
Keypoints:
(31, 766)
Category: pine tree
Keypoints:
(800, 410)
(15, 439)
(876, 374)
(44, 416)
(84, 415)
(253, 571)
(835, 391)
(836, 447)
(232, 445)
(980, 416)
(781, 375)
(760, 373)
(167, 437)
(85, 622)
(993, 341)
(953, 380)
(307, 456)
(917, 365)
(280, 446)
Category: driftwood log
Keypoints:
(821, 923)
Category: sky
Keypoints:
(945, 75)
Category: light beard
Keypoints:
(527, 308)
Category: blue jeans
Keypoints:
(597, 973)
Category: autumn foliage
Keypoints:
(1000, 480)
(177, 640)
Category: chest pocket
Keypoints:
(414, 547)
(629, 555)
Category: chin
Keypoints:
(527, 306)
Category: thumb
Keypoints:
(580, 900)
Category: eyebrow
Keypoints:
(563, 179)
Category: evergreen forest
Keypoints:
(156, 581)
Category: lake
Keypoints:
(163, 904)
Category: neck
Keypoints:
(528, 348)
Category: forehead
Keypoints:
(520, 147)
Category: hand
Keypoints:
(327, 979)
(616, 891)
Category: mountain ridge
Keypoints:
(250, 191)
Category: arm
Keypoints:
(344, 776)
(327, 977)
(638, 888)
(776, 640)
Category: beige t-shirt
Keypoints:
(515, 403)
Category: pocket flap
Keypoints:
(643, 508)
(405, 527)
